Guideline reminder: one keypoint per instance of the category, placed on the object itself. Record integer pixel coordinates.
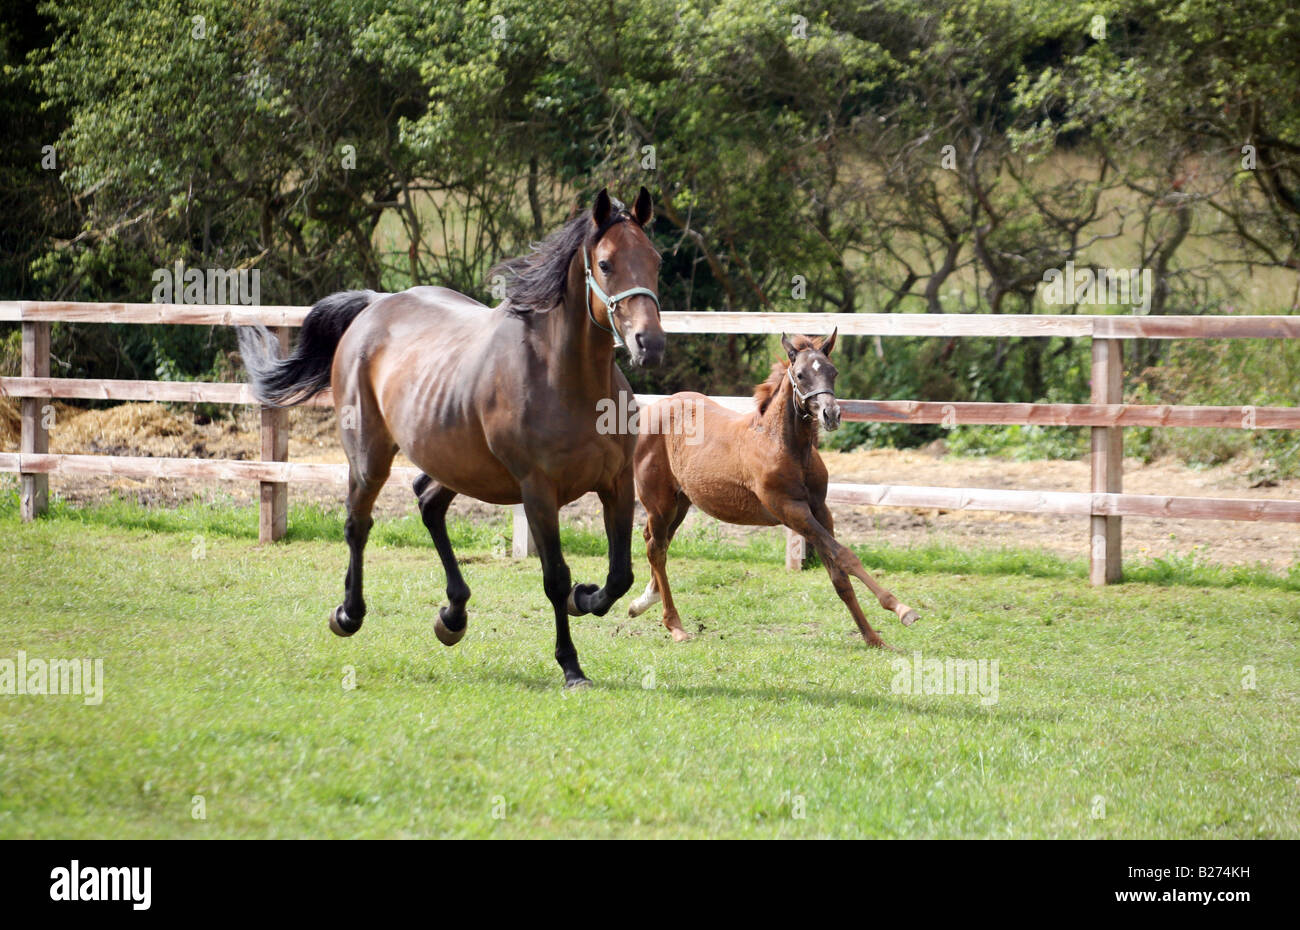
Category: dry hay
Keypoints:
(11, 423)
(146, 429)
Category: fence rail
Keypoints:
(1104, 503)
(850, 324)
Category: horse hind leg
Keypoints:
(846, 563)
(364, 484)
(814, 521)
(650, 596)
(452, 620)
(665, 507)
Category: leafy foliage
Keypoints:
(870, 155)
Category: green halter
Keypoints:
(611, 303)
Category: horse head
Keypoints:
(621, 268)
(812, 376)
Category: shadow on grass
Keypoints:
(314, 523)
(963, 708)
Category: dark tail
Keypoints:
(283, 382)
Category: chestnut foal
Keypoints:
(756, 469)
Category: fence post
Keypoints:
(34, 496)
(794, 550)
(273, 511)
(1107, 461)
(521, 538)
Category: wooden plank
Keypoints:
(1107, 465)
(103, 389)
(183, 314)
(911, 496)
(273, 507)
(1243, 510)
(1117, 414)
(185, 392)
(1065, 503)
(521, 537)
(1107, 326)
(739, 404)
(1002, 501)
(148, 467)
(1196, 327)
(879, 324)
(895, 411)
(989, 324)
(795, 546)
(34, 491)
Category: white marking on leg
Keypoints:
(647, 600)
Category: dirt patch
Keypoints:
(159, 430)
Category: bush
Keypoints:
(1021, 443)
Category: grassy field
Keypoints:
(1120, 713)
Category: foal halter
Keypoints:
(802, 398)
(611, 303)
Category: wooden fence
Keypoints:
(1104, 503)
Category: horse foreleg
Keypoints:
(543, 512)
(434, 500)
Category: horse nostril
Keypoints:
(650, 347)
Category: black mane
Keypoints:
(536, 281)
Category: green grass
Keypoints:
(222, 681)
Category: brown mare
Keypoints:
(498, 403)
(755, 469)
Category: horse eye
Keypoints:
(605, 266)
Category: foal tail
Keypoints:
(283, 382)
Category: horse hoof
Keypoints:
(341, 624)
(908, 616)
(680, 635)
(572, 604)
(577, 684)
(447, 637)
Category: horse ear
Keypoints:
(828, 343)
(786, 344)
(600, 210)
(643, 210)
